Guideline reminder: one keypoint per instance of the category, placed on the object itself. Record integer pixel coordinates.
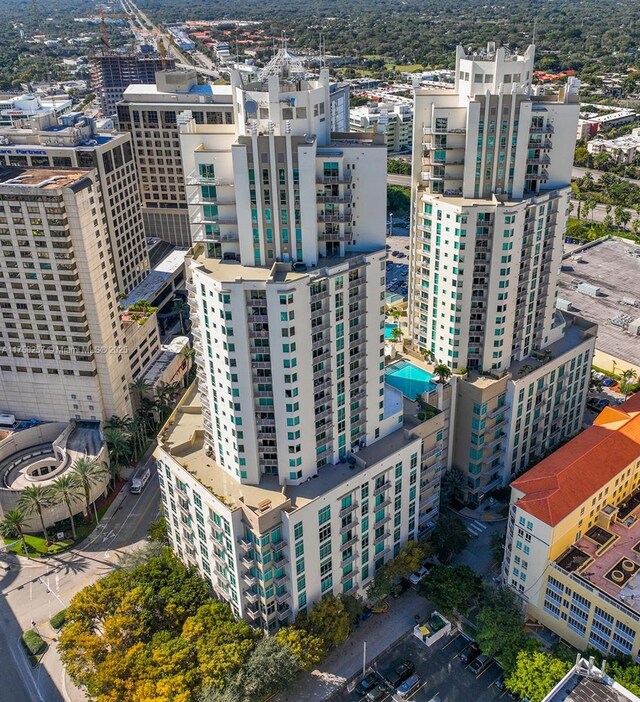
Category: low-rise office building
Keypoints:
(573, 536)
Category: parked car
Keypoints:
(597, 403)
(416, 577)
(408, 686)
(608, 382)
(400, 673)
(470, 653)
(479, 664)
(367, 683)
(378, 693)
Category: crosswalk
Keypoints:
(476, 528)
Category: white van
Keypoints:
(7, 420)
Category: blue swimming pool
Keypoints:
(409, 379)
(388, 328)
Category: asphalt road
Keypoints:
(32, 592)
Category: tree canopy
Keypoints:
(451, 588)
(152, 632)
(449, 537)
(535, 674)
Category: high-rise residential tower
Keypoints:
(287, 473)
(491, 185)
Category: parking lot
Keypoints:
(441, 672)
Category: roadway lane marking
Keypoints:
(495, 681)
(453, 640)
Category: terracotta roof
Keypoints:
(570, 476)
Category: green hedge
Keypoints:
(58, 620)
(33, 642)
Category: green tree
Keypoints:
(119, 448)
(179, 307)
(396, 335)
(443, 372)
(581, 157)
(452, 487)
(499, 627)
(328, 620)
(89, 473)
(535, 674)
(308, 649)
(627, 377)
(34, 500)
(398, 165)
(13, 526)
(451, 589)
(157, 531)
(67, 489)
(449, 537)
(271, 668)
(496, 544)
(139, 387)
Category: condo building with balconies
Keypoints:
(490, 196)
(292, 470)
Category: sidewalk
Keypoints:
(380, 631)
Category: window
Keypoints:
(324, 515)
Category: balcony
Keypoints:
(436, 130)
(249, 579)
(350, 575)
(251, 595)
(196, 178)
(200, 235)
(336, 199)
(199, 218)
(379, 490)
(350, 559)
(335, 217)
(253, 612)
(245, 545)
(348, 527)
(346, 510)
(493, 456)
(381, 538)
(546, 144)
(282, 597)
(246, 562)
(283, 613)
(498, 410)
(350, 542)
(546, 129)
(540, 160)
(335, 236)
(324, 179)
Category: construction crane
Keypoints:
(163, 53)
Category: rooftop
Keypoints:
(184, 440)
(233, 271)
(618, 293)
(157, 278)
(163, 359)
(575, 472)
(42, 178)
(587, 683)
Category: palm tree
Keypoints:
(139, 387)
(165, 393)
(396, 335)
(119, 448)
(34, 500)
(14, 524)
(178, 308)
(627, 377)
(443, 372)
(89, 472)
(68, 489)
(395, 314)
(189, 354)
(115, 422)
(428, 356)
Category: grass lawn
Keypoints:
(404, 67)
(37, 545)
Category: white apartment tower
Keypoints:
(287, 474)
(491, 185)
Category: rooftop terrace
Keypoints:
(42, 178)
(608, 557)
(183, 438)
